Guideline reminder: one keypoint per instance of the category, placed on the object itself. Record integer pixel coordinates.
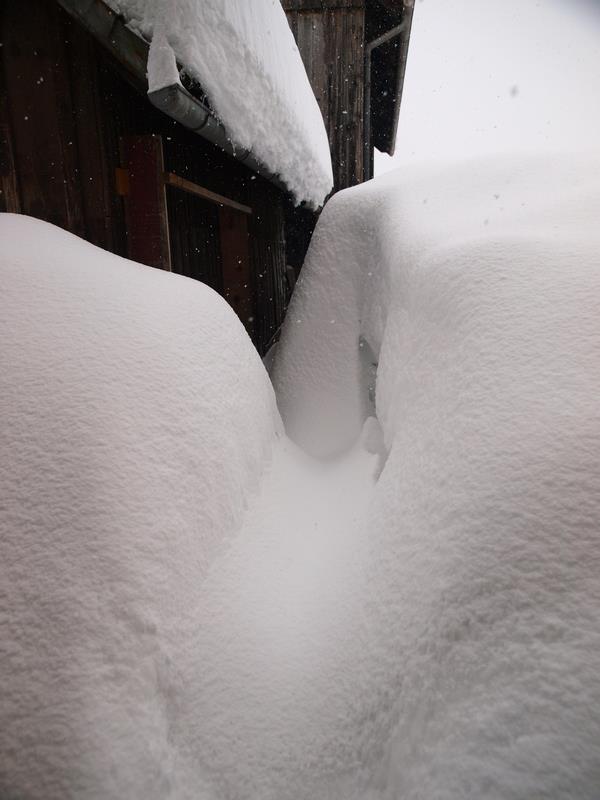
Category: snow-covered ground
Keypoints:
(136, 420)
(473, 670)
(245, 57)
(195, 607)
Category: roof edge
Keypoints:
(131, 51)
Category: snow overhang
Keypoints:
(186, 104)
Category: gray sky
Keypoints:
(500, 75)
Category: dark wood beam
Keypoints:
(320, 5)
(193, 188)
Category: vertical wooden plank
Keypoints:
(235, 261)
(331, 43)
(146, 214)
(9, 192)
(9, 189)
(194, 235)
(268, 261)
(96, 167)
(38, 99)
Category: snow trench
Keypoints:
(401, 600)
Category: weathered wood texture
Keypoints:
(44, 151)
(268, 252)
(9, 191)
(235, 260)
(10, 199)
(65, 103)
(146, 201)
(56, 123)
(195, 251)
(200, 191)
(320, 5)
(331, 40)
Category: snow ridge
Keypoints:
(476, 287)
(190, 606)
(136, 420)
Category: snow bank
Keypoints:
(244, 56)
(471, 669)
(429, 630)
(135, 421)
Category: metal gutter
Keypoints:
(109, 29)
(176, 101)
(179, 104)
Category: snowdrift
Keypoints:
(244, 56)
(418, 619)
(474, 666)
(135, 422)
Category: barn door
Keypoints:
(235, 261)
(143, 190)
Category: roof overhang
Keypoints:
(389, 45)
(131, 52)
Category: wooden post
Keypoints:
(9, 193)
(145, 201)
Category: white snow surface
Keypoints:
(194, 608)
(136, 419)
(244, 56)
(474, 666)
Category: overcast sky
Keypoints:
(500, 75)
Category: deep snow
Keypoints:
(135, 422)
(193, 607)
(244, 56)
(476, 657)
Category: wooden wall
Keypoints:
(54, 127)
(330, 35)
(65, 106)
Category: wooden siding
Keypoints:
(319, 5)
(65, 103)
(146, 201)
(268, 253)
(195, 251)
(57, 124)
(235, 260)
(330, 38)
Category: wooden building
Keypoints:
(156, 179)
(355, 55)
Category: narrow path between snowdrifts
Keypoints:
(434, 635)
(275, 622)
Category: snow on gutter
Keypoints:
(167, 93)
(244, 57)
(170, 97)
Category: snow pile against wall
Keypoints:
(416, 620)
(135, 422)
(472, 668)
(244, 56)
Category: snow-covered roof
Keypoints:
(244, 56)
